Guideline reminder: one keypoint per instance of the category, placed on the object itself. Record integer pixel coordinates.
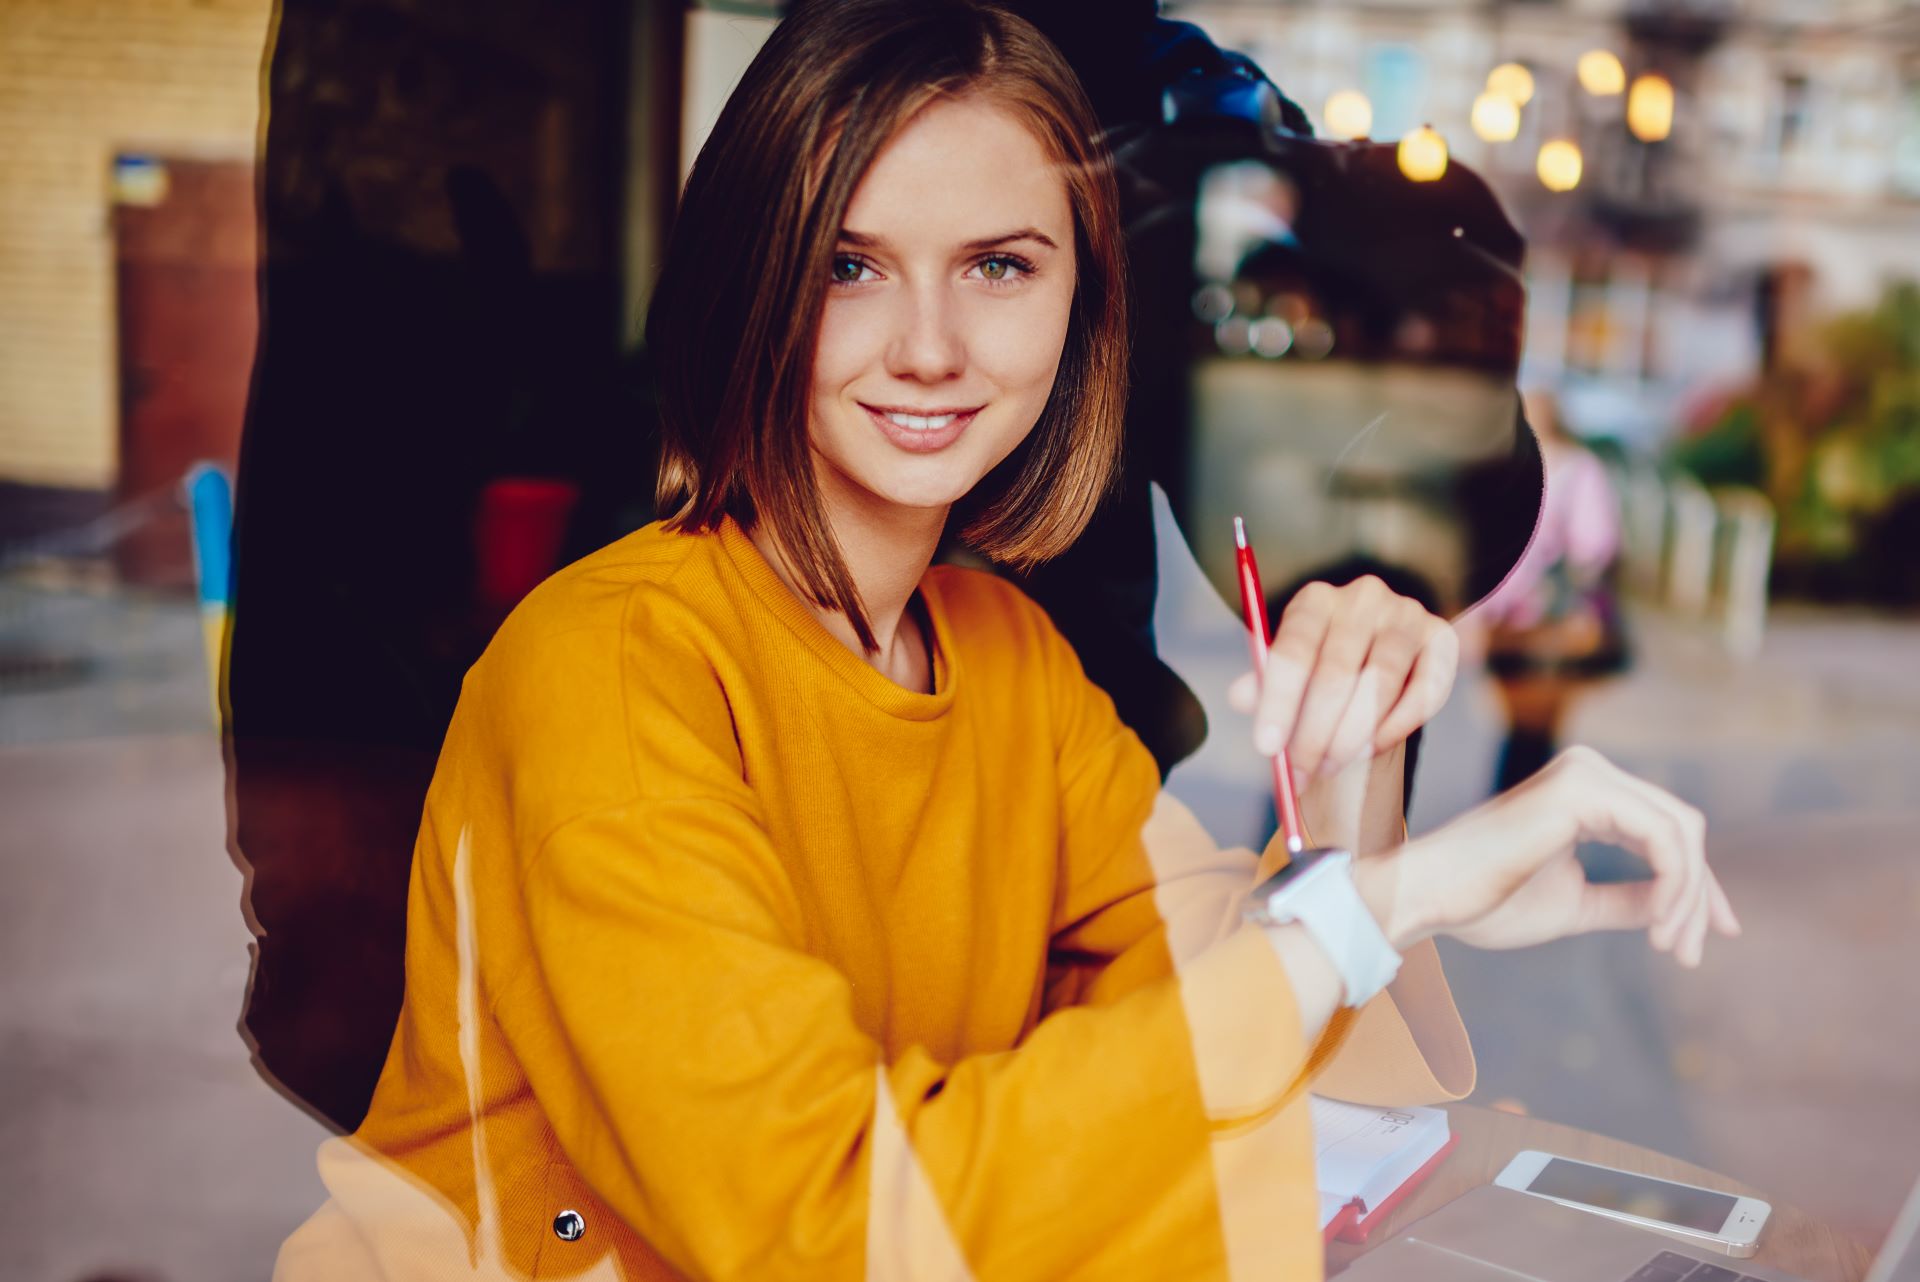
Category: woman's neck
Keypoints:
(887, 549)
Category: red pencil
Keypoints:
(1253, 603)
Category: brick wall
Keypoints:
(81, 80)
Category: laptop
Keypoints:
(1502, 1235)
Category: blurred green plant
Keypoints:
(1835, 442)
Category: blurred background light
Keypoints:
(1313, 339)
(1495, 117)
(1559, 165)
(1650, 108)
(1213, 302)
(1600, 73)
(1270, 336)
(1511, 81)
(1423, 154)
(1349, 115)
(1234, 335)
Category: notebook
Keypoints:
(1367, 1158)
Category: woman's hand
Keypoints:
(1352, 672)
(1504, 875)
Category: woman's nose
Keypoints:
(928, 346)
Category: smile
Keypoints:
(921, 433)
(920, 424)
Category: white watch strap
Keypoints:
(1328, 905)
(1334, 914)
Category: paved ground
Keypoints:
(134, 1135)
(135, 1138)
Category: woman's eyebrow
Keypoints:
(861, 240)
(1024, 233)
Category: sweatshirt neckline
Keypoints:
(882, 691)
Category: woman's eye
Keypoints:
(999, 269)
(848, 270)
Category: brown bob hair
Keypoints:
(735, 315)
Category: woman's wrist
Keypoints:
(1358, 808)
(1391, 887)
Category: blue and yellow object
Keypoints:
(208, 491)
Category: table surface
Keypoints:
(1791, 1241)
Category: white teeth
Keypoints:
(919, 424)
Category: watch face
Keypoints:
(1296, 868)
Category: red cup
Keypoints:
(518, 528)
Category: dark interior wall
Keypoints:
(383, 98)
(441, 197)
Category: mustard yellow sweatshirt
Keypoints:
(728, 957)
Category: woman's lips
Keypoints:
(921, 440)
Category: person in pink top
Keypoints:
(1553, 625)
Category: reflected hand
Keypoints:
(1504, 875)
(1352, 671)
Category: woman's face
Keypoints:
(947, 311)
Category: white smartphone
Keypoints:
(1702, 1217)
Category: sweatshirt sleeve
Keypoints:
(706, 1076)
(1142, 886)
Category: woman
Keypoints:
(784, 907)
(1553, 626)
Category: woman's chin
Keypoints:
(918, 488)
(922, 498)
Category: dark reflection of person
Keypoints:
(785, 905)
(429, 323)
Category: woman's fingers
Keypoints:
(1243, 695)
(1716, 913)
(1693, 945)
(1690, 902)
(1381, 685)
(1352, 738)
(1724, 919)
(1493, 859)
(1621, 905)
(1614, 806)
(1426, 688)
(1335, 680)
(1352, 672)
(1700, 904)
(1290, 665)
(1687, 905)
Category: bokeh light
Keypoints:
(1348, 114)
(1423, 154)
(1559, 165)
(1213, 302)
(1495, 117)
(1234, 336)
(1650, 108)
(1270, 337)
(1313, 338)
(1600, 73)
(1511, 81)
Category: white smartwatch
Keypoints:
(1316, 889)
